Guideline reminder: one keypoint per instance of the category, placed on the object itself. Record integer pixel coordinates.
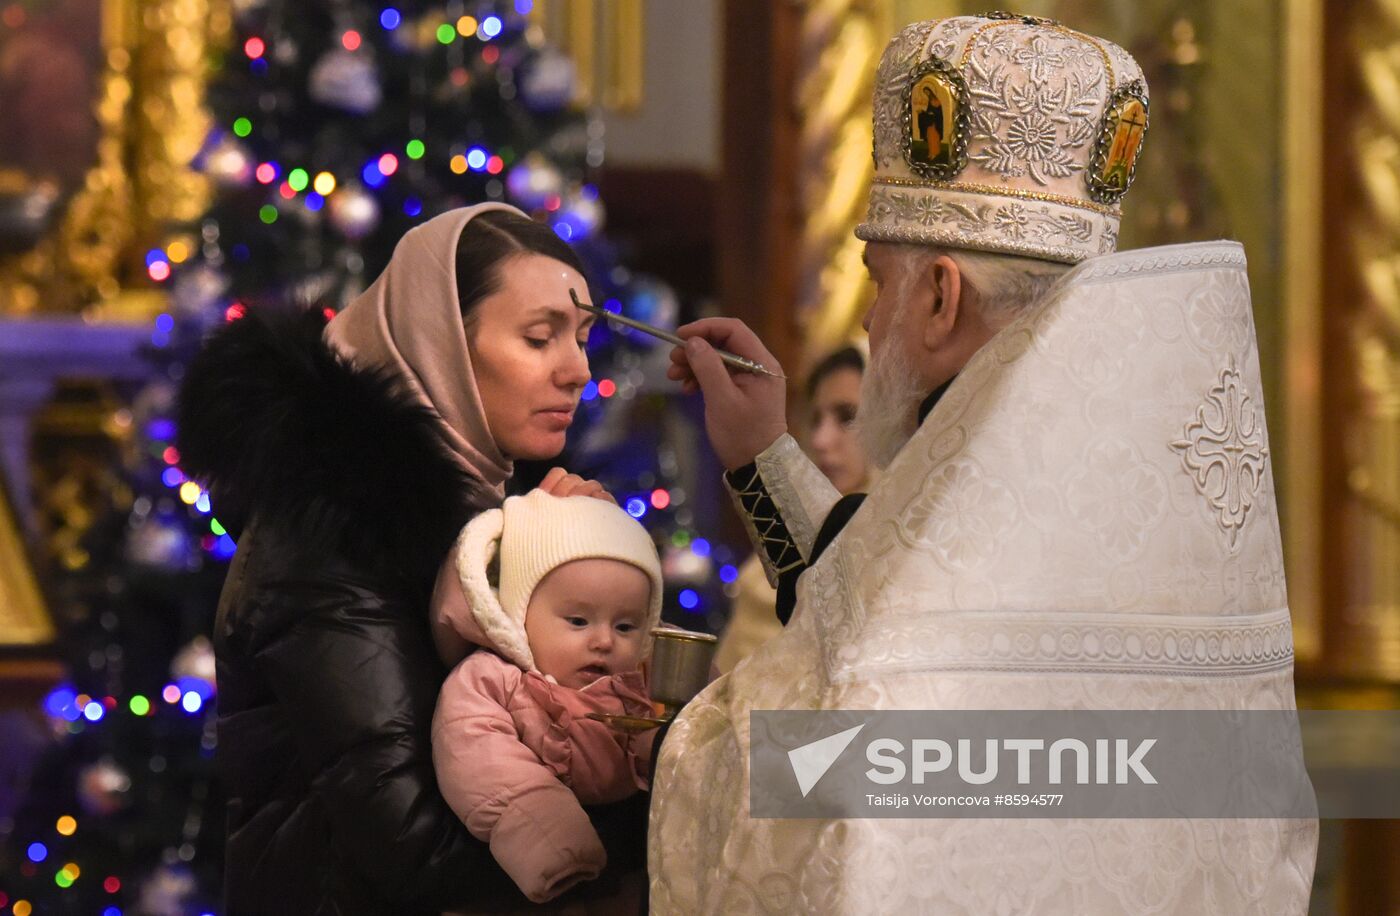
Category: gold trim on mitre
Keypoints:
(1006, 224)
(971, 188)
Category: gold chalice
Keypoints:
(680, 668)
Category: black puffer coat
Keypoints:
(343, 503)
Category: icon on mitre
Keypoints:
(1130, 124)
(1125, 126)
(932, 116)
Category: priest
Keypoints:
(1077, 509)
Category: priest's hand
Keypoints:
(745, 412)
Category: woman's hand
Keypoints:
(559, 482)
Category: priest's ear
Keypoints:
(941, 287)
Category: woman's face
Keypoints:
(527, 349)
(833, 441)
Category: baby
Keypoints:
(564, 627)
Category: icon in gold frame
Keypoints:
(1119, 145)
(936, 121)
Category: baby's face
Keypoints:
(585, 620)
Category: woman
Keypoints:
(350, 454)
(833, 396)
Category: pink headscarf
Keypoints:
(410, 322)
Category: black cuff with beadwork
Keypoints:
(773, 534)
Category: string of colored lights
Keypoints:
(78, 711)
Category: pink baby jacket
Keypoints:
(515, 754)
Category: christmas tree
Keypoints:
(122, 811)
(338, 126)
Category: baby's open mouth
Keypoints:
(595, 670)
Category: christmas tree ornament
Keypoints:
(582, 212)
(347, 80)
(684, 565)
(534, 182)
(653, 301)
(195, 660)
(198, 294)
(103, 787)
(547, 81)
(285, 51)
(316, 288)
(229, 164)
(167, 892)
(425, 32)
(162, 542)
(151, 410)
(354, 212)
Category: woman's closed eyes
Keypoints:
(539, 343)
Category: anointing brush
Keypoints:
(733, 359)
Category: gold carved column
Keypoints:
(1360, 330)
(140, 191)
(607, 42)
(75, 305)
(839, 43)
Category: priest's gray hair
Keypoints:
(999, 286)
(1002, 285)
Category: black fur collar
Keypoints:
(277, 426)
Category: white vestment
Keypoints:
(1086, 520)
